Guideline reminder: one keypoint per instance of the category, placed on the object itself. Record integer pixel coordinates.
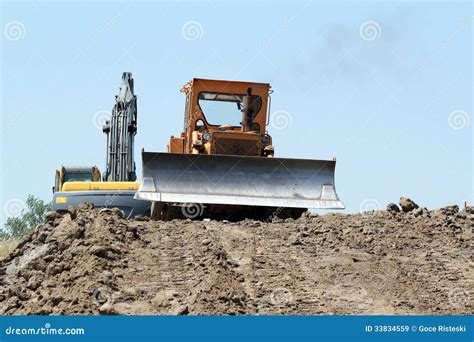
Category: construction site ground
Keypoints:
(93, 261)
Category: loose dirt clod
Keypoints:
(93, 261)
(407, 204)
(393, 207)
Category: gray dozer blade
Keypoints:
(238, 180)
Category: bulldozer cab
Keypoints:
(217, 103)
(224, 117)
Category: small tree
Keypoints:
(34, 214)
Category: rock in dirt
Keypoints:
(407, 204)
(449, 210)
(393, 208)
(418, 212)
(86, 206)
(72, 210)
(107, 309)
(51, 216)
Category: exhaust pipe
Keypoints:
(248, 111)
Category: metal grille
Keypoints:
(237, 147)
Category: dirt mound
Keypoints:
(96, 262)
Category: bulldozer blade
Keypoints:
(238, 180)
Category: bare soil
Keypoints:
(96, 262)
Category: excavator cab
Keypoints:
(75, 174)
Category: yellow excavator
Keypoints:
(223, 163)
(118, 185)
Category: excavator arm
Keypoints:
(120, 131)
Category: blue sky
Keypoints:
(386, 87)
